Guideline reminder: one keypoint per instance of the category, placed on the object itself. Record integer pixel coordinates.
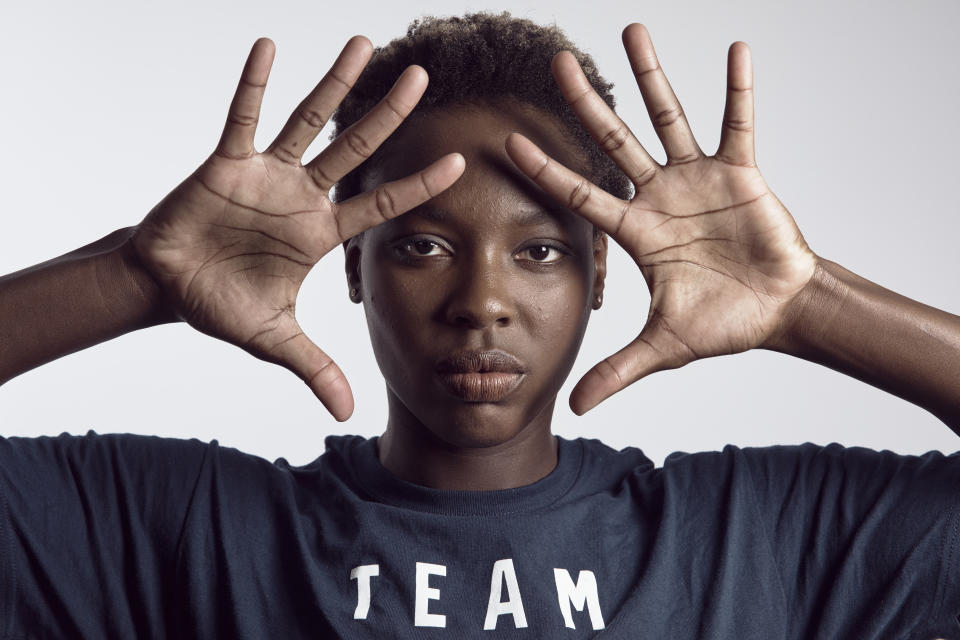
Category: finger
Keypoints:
(325, 379)
(606, 128)
(315, 110)
(390, 199)
(736, 135)
(568, 187)
(237, 138)
(665, 111)
(655, 349)
(362, 138)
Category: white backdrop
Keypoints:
(108, 105)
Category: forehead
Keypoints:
(478, 131)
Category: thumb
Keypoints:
(656, 348)
(301, 356)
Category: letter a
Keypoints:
(583, 593)
(362, 575)
(503, 571)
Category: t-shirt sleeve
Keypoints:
(89, 530)
(865, 541)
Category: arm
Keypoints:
(727, 268)
(75, 301)
(856, 327)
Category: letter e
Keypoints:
(425, 593)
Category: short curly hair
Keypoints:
(476, 58)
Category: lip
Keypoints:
(480, 376)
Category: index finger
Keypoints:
(571, 189)
(604, 126)
(391, 199)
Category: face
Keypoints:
(477, 300)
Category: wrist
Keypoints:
(131, 285)
(810, 313)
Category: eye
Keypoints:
(542, 253)
(421, 248)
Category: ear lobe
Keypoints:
(599, 269)
(352, 253)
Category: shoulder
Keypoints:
(815, 461)
(92, 456)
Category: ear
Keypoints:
(599, 268)
(352, 250)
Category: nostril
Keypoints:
(477, 322)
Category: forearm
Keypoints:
(856, 327)
(72, 302)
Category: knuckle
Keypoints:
(321, 177)
(646, 64)
(311, 117)
(667, 117)
(425, 184)
(324, 374)
(735, 162)
(386, 207)
(357, 143)
(398, 110)
(644, 177)
(224, 152)
(333, 77)
(242, 120)
(685, 158)
(255, 85)
(543, 167)
(615, 139)
(611, 372)
(621, 219)
(573, 99)
(286, 156)
(579, 195)
(741, 125)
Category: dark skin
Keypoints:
(727, 268)
(490, 263)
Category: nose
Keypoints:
(481, 295)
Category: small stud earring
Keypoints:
(355, 294)
(597, 301)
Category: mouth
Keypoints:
(480, 376)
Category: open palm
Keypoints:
(721, 255)
(232, 244)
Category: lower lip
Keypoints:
(481, 387)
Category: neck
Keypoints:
(411, 452)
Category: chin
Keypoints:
(478, 426)
(481, 438)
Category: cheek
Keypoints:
(556, 311)
(562, 298)
(399, 307)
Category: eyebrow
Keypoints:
(523, 217)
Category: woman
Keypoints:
(467, 515)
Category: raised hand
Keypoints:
(721, 255)
(231, 245)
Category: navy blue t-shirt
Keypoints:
(126, 536)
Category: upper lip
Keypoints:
(476, 361)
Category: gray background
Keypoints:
(108, 105)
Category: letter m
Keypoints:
(584, 592)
